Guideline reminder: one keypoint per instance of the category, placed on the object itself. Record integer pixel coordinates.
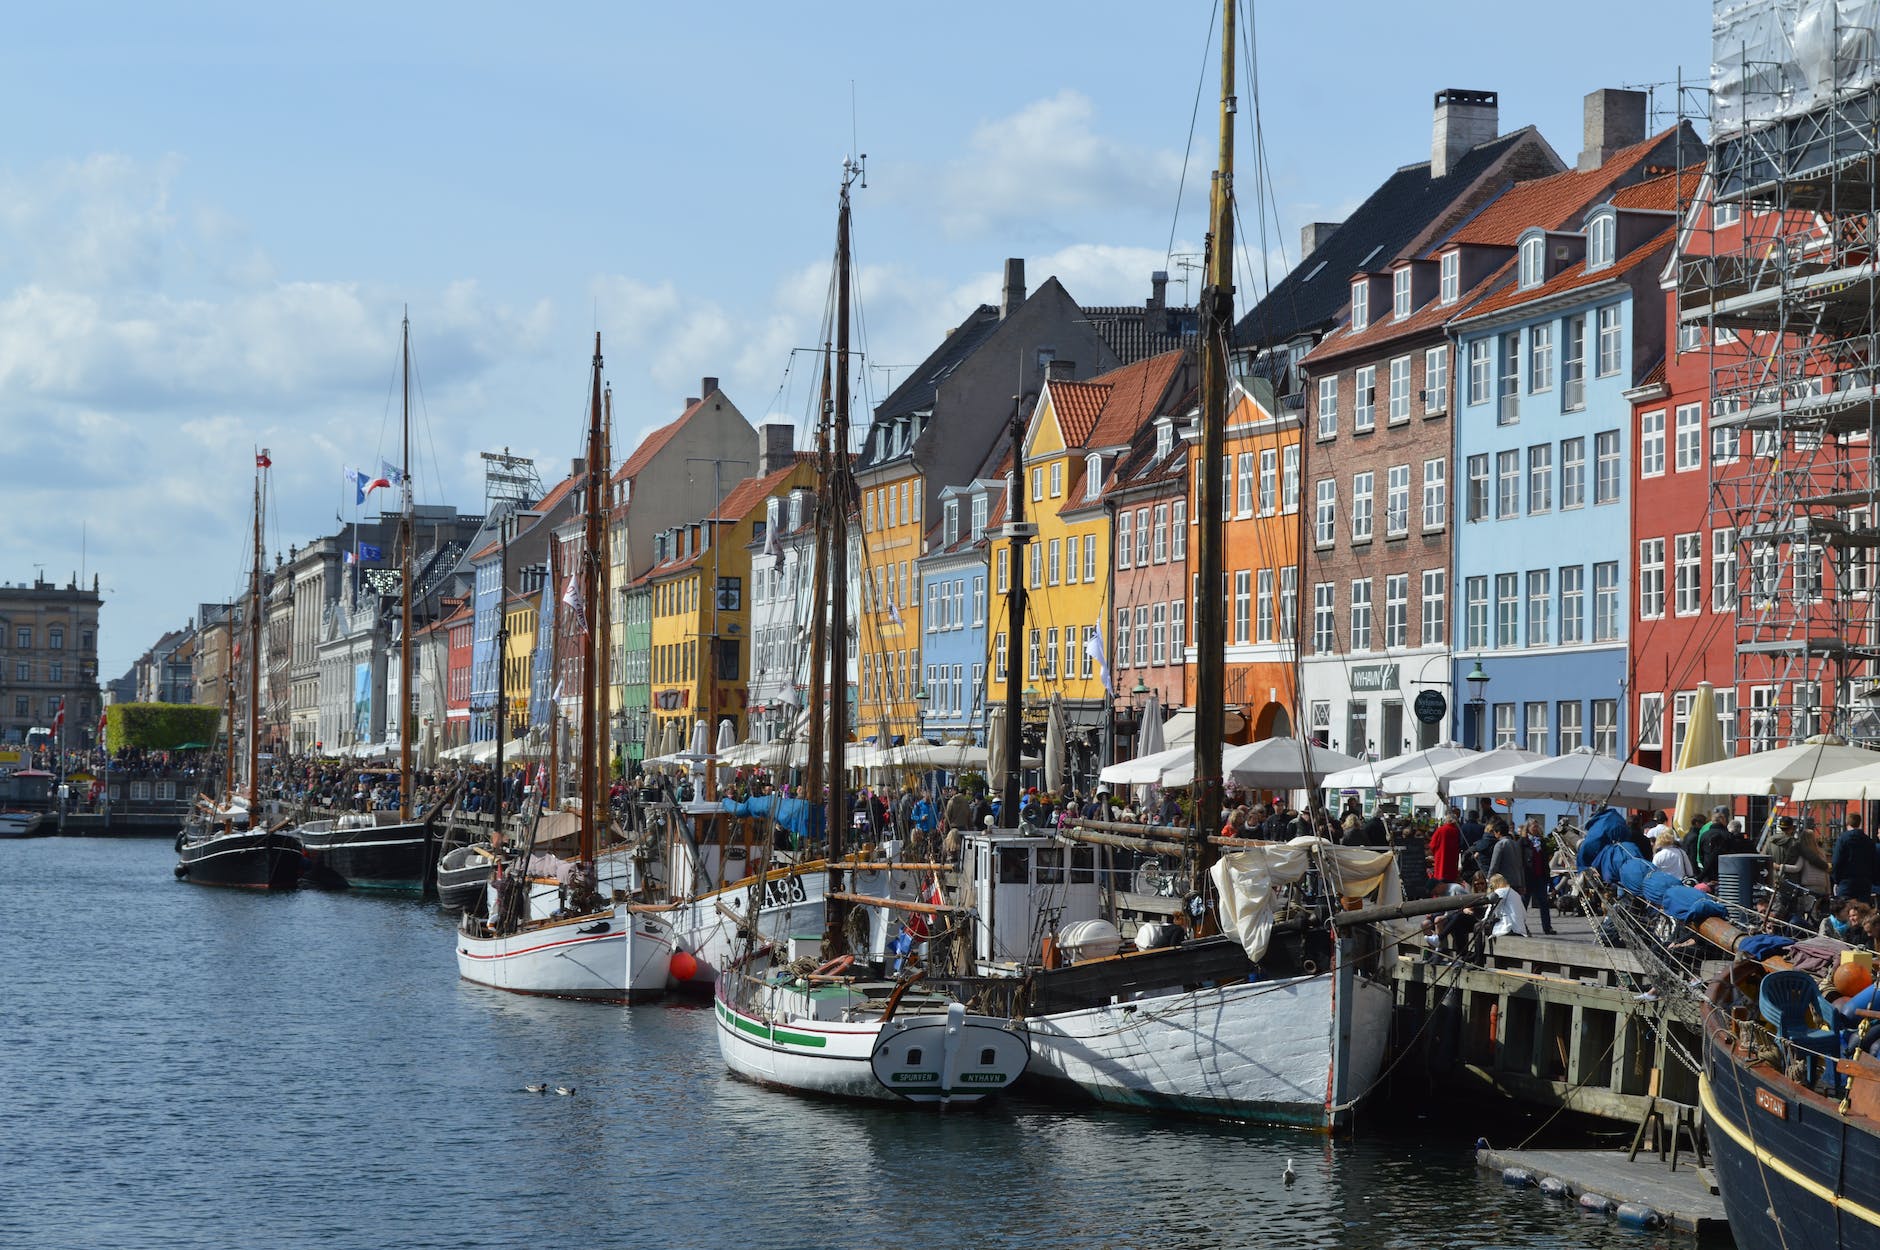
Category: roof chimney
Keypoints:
(1056, 370)
(1613, 119)
(1014, 293)
(1158, 289)
(1314, 233)
(1464, 118)
(775, 447)
(706, 386)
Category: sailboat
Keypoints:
(593, 946)
(228, 844)
(385, 850)
(1280, 1020)
(823, 1023)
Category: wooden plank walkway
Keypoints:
(1683, 1197)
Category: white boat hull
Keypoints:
(1265, 1052)
(614, 956)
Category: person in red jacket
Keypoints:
(1446, 850)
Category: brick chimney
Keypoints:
(1612, 119)
(1158, 290)
(1060, 370)
(1464, 118)
(1014, 293)
(1314, 233)
(775, 447)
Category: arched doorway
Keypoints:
(1273, 722)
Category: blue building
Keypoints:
(954, 586)
(1543, 553)
(486, 605)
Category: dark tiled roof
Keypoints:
(917, 391)
(1137, 332)
(1311, 295)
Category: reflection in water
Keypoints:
(192, 1067)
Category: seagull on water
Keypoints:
(535, 1089)
(564, 1090)
(1289, 1174)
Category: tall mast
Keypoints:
(819, 595)
(592, 577)
(1015, 618)
(1217, 323)
(405, 581)
(254, 661)
(834, 940)
(504, 526)
(551, 788)
(603, 605)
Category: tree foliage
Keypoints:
(160, 726)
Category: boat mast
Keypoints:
(504, 525)
(819, 596)
(254, 661)
(1015, 619)
(592, 575)
(550, 799)
(1217, 323)
(602, 477)
(405, 717)
(834, 937)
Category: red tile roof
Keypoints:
(1569, 279)
(1664, 194)
(1077, 405)
(654, 443)
(1136, 392)
(1550, 203)
(746, 494)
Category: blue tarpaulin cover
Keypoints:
(794, 816)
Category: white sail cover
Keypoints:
(1245, 882)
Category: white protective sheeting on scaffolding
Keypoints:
(1776, 58)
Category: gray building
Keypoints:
(49, 657)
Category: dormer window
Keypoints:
(1451, 289)
(1533, 260)
(1093, 475)
(1164, 439)
(1601, 238)
(1360, 305)
(1400, 293)
(980, 506)
(796, 510)
(952, 514)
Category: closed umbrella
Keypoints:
(1149, 741)
(1054, 746)
(701, 739)
(1703, 744)
(995, 749)
(727, 736)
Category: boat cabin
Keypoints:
(1026, 887)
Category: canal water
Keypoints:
(188, 1067)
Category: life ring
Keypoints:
(835, 967)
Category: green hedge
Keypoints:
(160, 726)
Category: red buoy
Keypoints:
(683, 967)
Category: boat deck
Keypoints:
(1685, 1198)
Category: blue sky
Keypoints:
(210, 218)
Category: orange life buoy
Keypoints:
(835, 967)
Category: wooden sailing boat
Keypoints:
(387, 850)
(1273, 1024)
(229, 845)
(819, 1027)
(593, 947)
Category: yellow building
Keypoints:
(699, 585)
(888, 660)
(1077, 435)
(520, 615)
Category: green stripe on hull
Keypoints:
(770, 1033)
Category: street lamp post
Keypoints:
(1478, 702)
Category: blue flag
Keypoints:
(368, 552)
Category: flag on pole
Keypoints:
(1093, 647)
(363, 484)
(368, 553)
(58, 720)
(389, 474)
(894, 613)
(262, 461)
(352, 557)
(103, 724)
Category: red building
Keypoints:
(460, 626)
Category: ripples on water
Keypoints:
(201, 1068)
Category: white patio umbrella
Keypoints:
(1282, 764)
(1581, 776)
(1849, 785)
(1367, 775)
(1775, 772)
(1438, 777)
(1149, 741)
(1054, 746)
(1152, 770)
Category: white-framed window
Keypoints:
(1263, 606)
(1397, 501)
(1725, 444)
(1540, 605)
(1073, 549)
(1450, 285)
(1611, 340)
(1142, 636)
(1057, 479)
(1325, 513)
(1243, 602)
(1572, 473)
(1541, 357)
(1690, 336)
(1534, 717)
(1533, 263)
(1158, 623)
(1651, 719)
(1164, 439)
(1476, 500)
(1725, 213)
(1481, 371)
(1435, 587)
(1687, 562)
(1399, 389)
(1360, 304)
(1093, 475)
(1037, 565)
(1507, 609)
(1361, 614)
(1124, 635)
(1288, 600)
(1269, 481)
(1651, 443)
(1057, 567)
(1159, 549)
(1436, 379)
(1572, 604)
(1475, 613)
(1324, 605)
(1037, 487)
(1507, 484)
(1540, 470)
(1607, 484)
(1362, 485)
(1177, 630)
(1690, 437)
(1606, 727)
(979, 600)
(950, 521)
(1243, 494)
(1572, 726)
(1601, 238)
(1364, 398)
(1400, 293)
(1435, 493)
(1573, 366)
(1328, 407)
(1397, 610)
(1178, 535)
(1142, 538)
(1723, 569)
(1505, 726)
(1508, 405)
(1289, 478)
(1125, 538)
(1606, 601)
(1651, 578)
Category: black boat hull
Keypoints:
(243, 860)
(382, 857)
(1792, 1170)
(465, 888)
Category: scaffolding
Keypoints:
(1778, 277)
(510, 482)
